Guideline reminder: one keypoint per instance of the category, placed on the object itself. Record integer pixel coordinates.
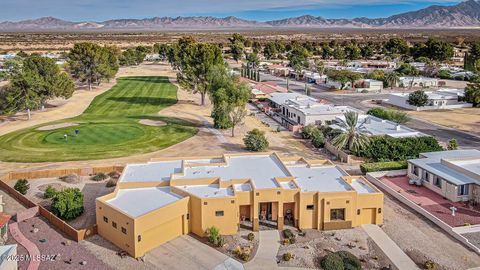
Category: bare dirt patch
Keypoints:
(154, 123)
(466, 119)
(57, 126)
(416, 235)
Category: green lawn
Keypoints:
(108, 128)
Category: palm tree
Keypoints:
(392, 79)
(352, 135)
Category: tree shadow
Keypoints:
(154, 101)
(149, 79)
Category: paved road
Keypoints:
(442, 133)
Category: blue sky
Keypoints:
(99, 10)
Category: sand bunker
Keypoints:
(154, 123)
(57, 126)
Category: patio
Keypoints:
(433, 202)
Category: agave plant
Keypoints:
(352, 137)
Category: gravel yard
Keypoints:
(308, 250)
(70, 254)
(473, 237)
(90, 189)
(422, 240)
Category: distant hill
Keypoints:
(463, 15)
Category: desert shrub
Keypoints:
(250, 236)
(341, 260)
(245, 255)
(68, 203)
(112, 182)
(286, 242)
(49, 192)
(309, 131)
(70, 178)
(330, 133)
(214, 237)
(429, 265)
(287, 256)
(99, 177)
(22, 186)
(332, 262)
(383, 148)
(383, 166)
(287, 233)
(114, 174)
(452, 144)
(350, 261)
(318, 140)
(255, 140)
(389, 114)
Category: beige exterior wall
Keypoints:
(192, 214)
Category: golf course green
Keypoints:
(108, 128)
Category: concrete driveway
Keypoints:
(185, 252)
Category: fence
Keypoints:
(374, 178)
(344, 157)
(60, 172)
(34, 209)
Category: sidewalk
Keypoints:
(29, 246)
(266, 257)
(391, 250)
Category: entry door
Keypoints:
(265, 212)
(368, 216)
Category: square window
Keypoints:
(337, 214)
(232, 201)
(105, 219)
(114, 224)
(124, 231)
(310, 207)
(219, 213)
(205, 203)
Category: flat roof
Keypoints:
(261, 169)
(440, 94)
(151, 172)
(471, 165)
(361, 187)
(319, 178)
(432, 162)
(207, 191)
(376, 126)
(139, 201)
(281, 98)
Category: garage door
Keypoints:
(367, 216)
(162, 233)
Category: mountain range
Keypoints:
(463, 15)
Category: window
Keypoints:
(310, 207)
(415, 170)
(358, 211)
(462, 190)
(337, 214)
(437, 181)
(105, 219)
(219, 213)
(426, 176)
(124, 231)
(114, 224)
(139, 238)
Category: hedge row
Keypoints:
(383, 166)
(383, 148)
